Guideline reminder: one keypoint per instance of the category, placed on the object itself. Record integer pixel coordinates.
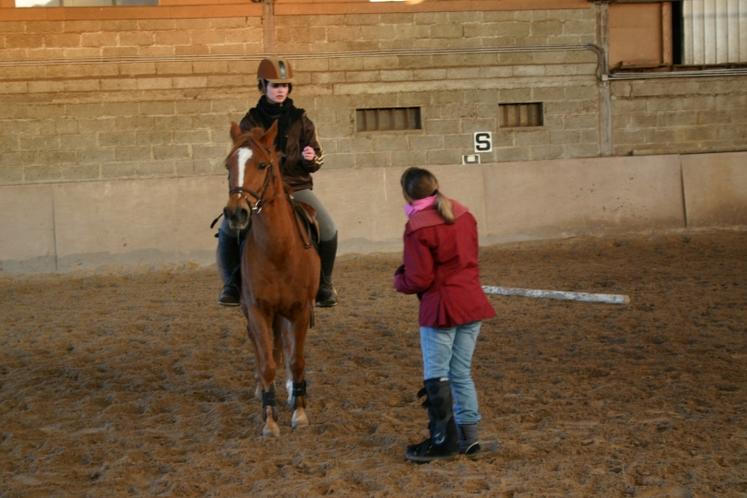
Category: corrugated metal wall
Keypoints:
(714, 31)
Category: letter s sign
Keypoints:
(483, 141)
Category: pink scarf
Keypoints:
(419, 204)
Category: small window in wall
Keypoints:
(521, 115)
(670, 35)
(82, 3)
(388, 119)
(709, 32)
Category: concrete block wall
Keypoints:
(125, 98)
(132, 98)
(95, 100)
(679, 115)
(88, 225)
(715, 189)
(158, 221)
(113, 130)
(457, 67)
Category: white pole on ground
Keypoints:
(555, 294)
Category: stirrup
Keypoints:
(325, 299)
(229, 296)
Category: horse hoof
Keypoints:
(271, 430)
(299, 419)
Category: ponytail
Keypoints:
(444, 208)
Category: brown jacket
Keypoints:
(301, 132)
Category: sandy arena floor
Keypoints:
(138, 384)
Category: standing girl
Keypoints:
(440, 266)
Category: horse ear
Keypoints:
(268, 139)
(235, 131)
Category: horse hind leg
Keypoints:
(289, 389)
(297, 401)
(258, 385)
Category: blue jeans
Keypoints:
(448, 353)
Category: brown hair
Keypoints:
(419, 183)
(262, 85)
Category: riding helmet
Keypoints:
(275, 70)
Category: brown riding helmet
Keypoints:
(275, 70)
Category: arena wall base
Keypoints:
(715, 187)
(110, 225)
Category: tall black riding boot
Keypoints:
(229, 265)
(443, 441)
(326, 296)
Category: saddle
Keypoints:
(308, 226)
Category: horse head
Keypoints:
(251, 166)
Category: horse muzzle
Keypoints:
(237, 217)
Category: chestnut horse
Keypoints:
(279, 269)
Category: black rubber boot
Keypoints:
(326, 296)
(469, 443)
(443, 441)
(229, 265)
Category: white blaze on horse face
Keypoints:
(244, 154)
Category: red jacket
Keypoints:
(440, 265)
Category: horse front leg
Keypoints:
(294, 336)
(277, 354)
(261, 336)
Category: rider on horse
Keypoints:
(300, 155)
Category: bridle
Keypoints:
(258, 204)
(243, 193)
(255, 208)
